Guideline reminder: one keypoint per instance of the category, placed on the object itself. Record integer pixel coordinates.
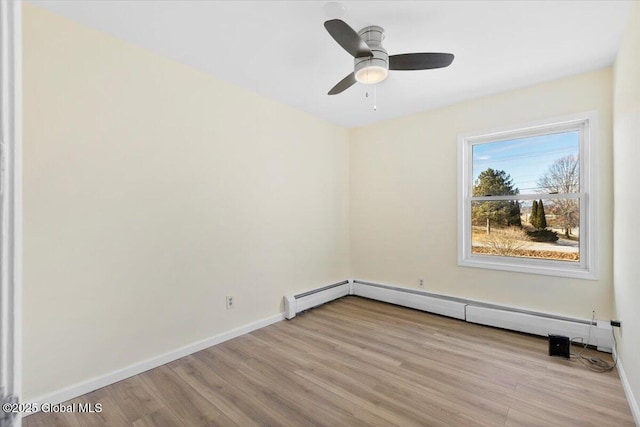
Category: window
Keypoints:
(527, 198)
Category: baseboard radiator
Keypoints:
(432, 303)
(598, 334)
(294, 304)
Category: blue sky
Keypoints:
(525, 159)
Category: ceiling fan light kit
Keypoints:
(371, 63)
(375, 68)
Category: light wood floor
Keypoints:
(356, 362)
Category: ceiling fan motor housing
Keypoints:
(372, 69)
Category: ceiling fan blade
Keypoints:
(347, 38)
(419, 61)
(343, 84)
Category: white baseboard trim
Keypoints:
(633, 403)
(95, 383)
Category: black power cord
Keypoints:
(595, 363)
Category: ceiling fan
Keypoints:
(372, 63)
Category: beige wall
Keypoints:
(626, 273)
(404, 201)
(152, 191)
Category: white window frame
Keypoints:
(588, 266)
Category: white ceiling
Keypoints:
(280, 49)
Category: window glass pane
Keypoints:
(542, 229)
(539, 164)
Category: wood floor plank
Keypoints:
(41, 419)
(335, 408)
(254, 390)
(357, 362)
(517, 418)
(225, 396)
(134, 398)
(491, 408)
(110, 413)
(377, 383)
(186, 403)
(163, 417)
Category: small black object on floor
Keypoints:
(559, 345)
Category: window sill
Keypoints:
(528, 266)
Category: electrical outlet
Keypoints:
(229, 302)
(421, 283)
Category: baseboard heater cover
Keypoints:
(598, 334)
(294, 304)
(531, 322)
(432, 303)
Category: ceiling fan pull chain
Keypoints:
(375, 98)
